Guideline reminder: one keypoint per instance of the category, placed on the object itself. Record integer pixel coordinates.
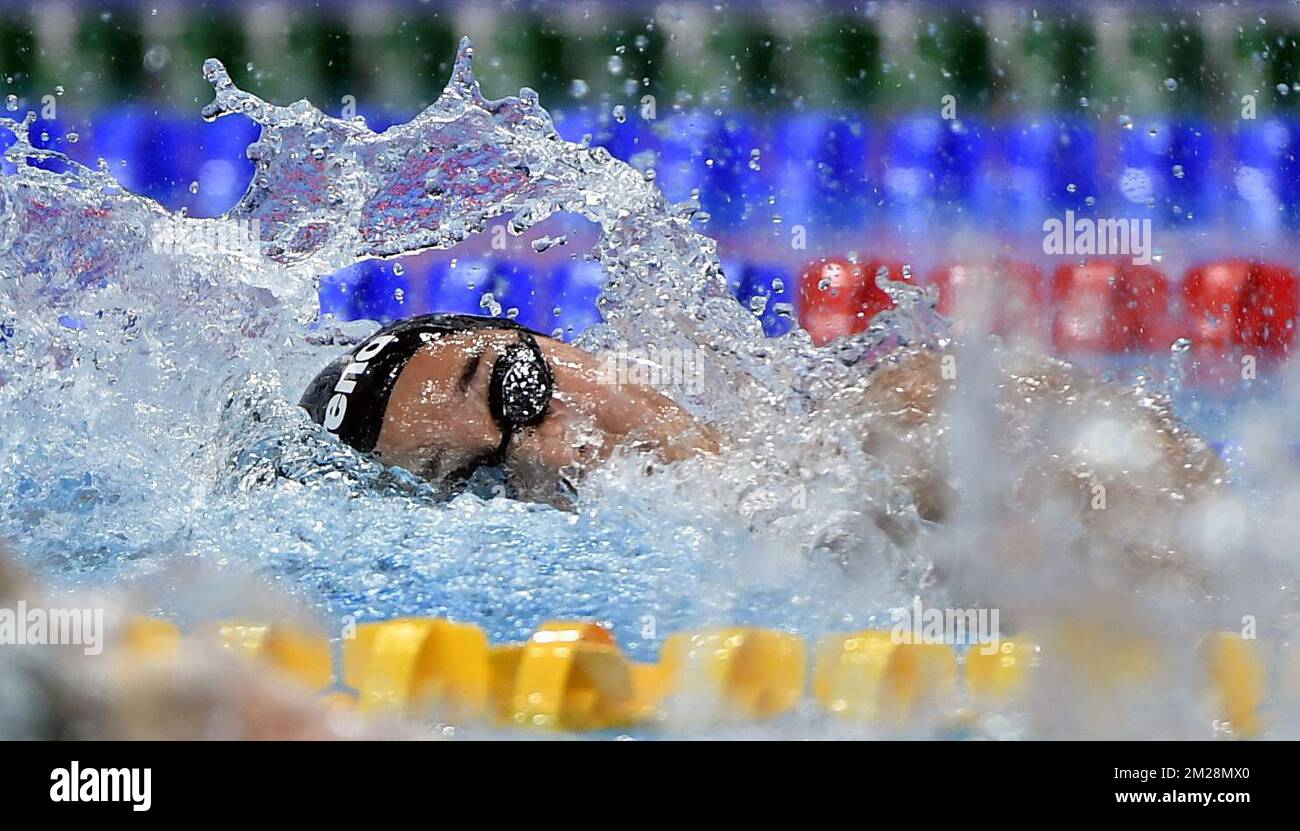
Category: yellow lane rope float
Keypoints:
(572, 675)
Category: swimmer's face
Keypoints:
(439, 421)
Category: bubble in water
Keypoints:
(489, 303)
(578, 88)
(58, 90)
(157, 58)
(194, 186)
(620, 113)
(11, 102)
(1171, 84)
(614, 65)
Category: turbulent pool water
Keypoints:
(151, 442)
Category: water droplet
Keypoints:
(157, 58)
(546, 243)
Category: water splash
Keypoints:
(148, 397)
(189, 357)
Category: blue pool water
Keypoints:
(152, 442)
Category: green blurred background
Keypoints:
(1193, 59)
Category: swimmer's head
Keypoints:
(466, 393)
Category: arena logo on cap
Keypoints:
(338, 406)
(1084, 236)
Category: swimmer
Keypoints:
(446, 395)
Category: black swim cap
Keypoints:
(350, 396)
